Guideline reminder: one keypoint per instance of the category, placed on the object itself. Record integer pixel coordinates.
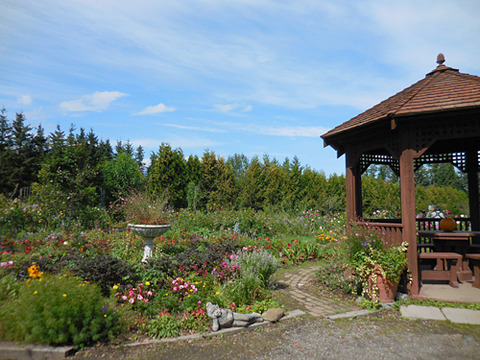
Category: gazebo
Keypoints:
(435, 120)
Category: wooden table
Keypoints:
(453, 241)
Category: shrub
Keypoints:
(57, 310)
(164, 326)
(246, 289)
(259, 262)
(104, 270)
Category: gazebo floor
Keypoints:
(465, 293)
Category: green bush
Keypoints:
(260, 263)
(57, 310)
(164, 326)
(104, 270)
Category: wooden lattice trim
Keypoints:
(458, 159)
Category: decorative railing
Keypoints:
(463, 224)
(392, 229)
(426, 244)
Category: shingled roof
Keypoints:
(443, 89)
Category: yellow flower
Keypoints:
(35, 292)
(217, 293)
(115, 287)
(147, 283)
(34, 272)
(64, 295)
(166, 294)
(188, 295)
(105, 315)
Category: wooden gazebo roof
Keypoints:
(442, 90)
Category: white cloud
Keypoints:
(294, 131)
(230, 107)
(225, 108)
(196, 128)
(175, 142)
(156, 109)
(25, 100)
(98, 101)
(290, 131)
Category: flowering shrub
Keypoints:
(367, 252)
(16, 217)
(225, 272)
(182, 288)
(133, 295)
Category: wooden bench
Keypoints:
(475, 261)
(441, 270)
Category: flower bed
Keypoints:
(164, 297)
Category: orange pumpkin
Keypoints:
(448, 224)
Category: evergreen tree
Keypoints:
(167, 172)
(121, 175)
(7, 181)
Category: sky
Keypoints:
(251, 77)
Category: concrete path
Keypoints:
(455, 315)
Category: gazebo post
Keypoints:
(409, 232)
(353, 180)
(472, 172)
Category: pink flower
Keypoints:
(124, 297)
(139, 297)
(131, 301)
(149, 293)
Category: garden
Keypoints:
(78, 288)
(71, 269)
(60, 287)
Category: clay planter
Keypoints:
(387, 289)
(148, 232)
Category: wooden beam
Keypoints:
(473, 192)
(409, 232)
(353, 187)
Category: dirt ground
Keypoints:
(380, 335)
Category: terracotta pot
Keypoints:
(387, 289)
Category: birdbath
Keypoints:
(148, 232)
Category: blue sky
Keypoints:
(251, 77)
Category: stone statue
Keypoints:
(225, 318)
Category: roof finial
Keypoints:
(440, 59)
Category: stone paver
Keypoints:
(314, 305)
(455, 315)
(421, 312)
(462, 316)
